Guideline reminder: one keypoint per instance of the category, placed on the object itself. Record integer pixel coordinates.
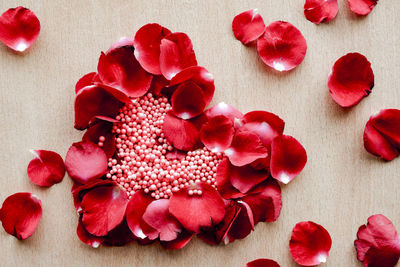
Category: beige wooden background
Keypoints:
(339, 188)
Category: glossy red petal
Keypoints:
(85, 161)
(351, 79)
(19, 28)
(246, 147)
(176, 54)
(120, 69)
(310, 244)
(318, 11)
(88, 238)
(158, 84)
(46, 169)
(182, 134)
(377, 144)
(119, 236)
(180, 242)
(147, 46)
(78, 191)
(226, 110)
(86, 80)
(197, 211)
(288, 158)
(20, 214)
(103, 208)
(224, 185)
(263, 263)
(362, 7)
(99, 129)
(217, 133)
(242, 224)
(282, 47)
(248, 26)
(378, 243)
(188, 100)
(134, 212)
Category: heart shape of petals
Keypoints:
(46, 169)
(318, 11)
(288, 158)
(382, 134)
(263, 263)
(351, 79)
(282, 46)
(188, 100)
(362, 7)
(20, 214)
(248, 26)
(85, 161)
(310, 244)
(378, 243)
(217, 133)
(19, 28)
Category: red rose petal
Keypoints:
(248, 26)
(224, 185)
(120, 69)
(246, 147)
(282, 47)
(288, 158)
(46, 169)
(78, 191)
(158, 84)
(242, 224)
(217, 133)
(351, 79)
(362, 7)
(378, 243)
(88, 238)
(182, 240)
(310, 244)
(102, 128)
(86, 80)
(20, 214)
(195, 211)
(134, 212)
(85, 161)
(188, 100)
(103, 208)
(318, 11)
(19, 28)
(147, 46)
(119, 236)
(263, 263)
(377, 144)
(226, 110)
(182, 134)
(176, 54)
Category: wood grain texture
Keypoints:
(339, 188)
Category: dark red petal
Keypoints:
(103, 208)
(78, 191)
(318, 11)
(263, 263)
(378, 243)
(176, 54)
(20, 214)
(288, 158)
(362, 7)
(242, 224)
(182, 240)
(134, 212)
(158, 84)
(102, 128)
(195, 211)
(19, 28)
(387, 122)
(88, 238)
(248, 26)
(351, 79)
(199, 76)
(282, 47)
(188, 100)
(120, 69)
(85, 161)
(182, 134)
(224, 184)
(310, 244)
(147, 46)
(86, 80)
(246, 147)
(119, 236)
(377, 144)
(226, 110)
(46, 169)
(217, 133)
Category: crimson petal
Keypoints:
(86, 80)
(188, 100)
(248, 26)
(180, 242)
(226, 110)
(78, 191)
(101, 128)
(224, 185)
(88, 238)
(362, 7)
(46, 169)
(318, 11)
(242, 224)
(134, 212)
(263, 263)
(119, 236)
(217, 133)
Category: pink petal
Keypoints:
(19, 28)
(182, 240)
(20, 214)
(362, 7)
(188, 100)
(318, 11)
(351, 79)
(86, 80)
(310, 244)
(88, 238)
(263, 263)
(217, 133)
(248, 26)
(134, 212)
(46, 169)
(282, 47)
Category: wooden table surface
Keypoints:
(339, 188)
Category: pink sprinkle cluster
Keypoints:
(145, 154)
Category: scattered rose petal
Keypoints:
(318, 11)
(241, 225)
(224, 185)
(188, 100)
(134, 212)
(263, 263)
(88, 238)
(19, 28)
(226, 110)
(119, 236)
(180, 242)
(378, 243)
(362, 7)
(86, 80)
(282, 47)
(310, 244)
(248, 26)
(217, 133)
(20, 214)
(351, 79)
(46, 169)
